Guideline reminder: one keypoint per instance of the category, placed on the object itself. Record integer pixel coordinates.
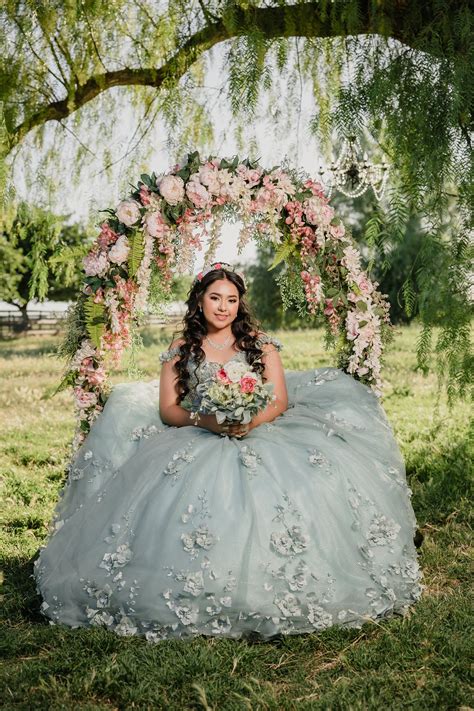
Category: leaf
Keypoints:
(146, 180)
(95, 320)
(361, 306)
(137, 252)
(281, 254)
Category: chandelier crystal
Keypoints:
(353, 176)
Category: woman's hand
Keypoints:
(237, 429)
(231, 429)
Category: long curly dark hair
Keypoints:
(245, 328)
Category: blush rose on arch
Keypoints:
(164, 222)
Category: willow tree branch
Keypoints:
(300, 20)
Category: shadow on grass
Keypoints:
(21, 602)
(441, 479)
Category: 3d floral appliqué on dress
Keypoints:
(172, 532)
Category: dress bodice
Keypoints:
(200, 373)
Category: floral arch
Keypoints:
(157, 230)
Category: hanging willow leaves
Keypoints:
(400, 72)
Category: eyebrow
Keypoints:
(216, 293)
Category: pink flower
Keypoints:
(107, 236)
(84, 399)
(198, 194)
(95, 264)
(172, 189)
(144, 195)
(337, 231)
(128, 212)
(364, 284)
(95, 376)
(118, 253)
(247, 384)
(155, 224)
(222, 377)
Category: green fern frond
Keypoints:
(95, 320)
(137, 251)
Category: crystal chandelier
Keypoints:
(353, 176)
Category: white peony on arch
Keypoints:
(160, 227)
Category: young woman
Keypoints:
(170, 528)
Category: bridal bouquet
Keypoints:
(234, 394)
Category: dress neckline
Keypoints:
(216, 362)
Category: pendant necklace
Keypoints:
(219, 346)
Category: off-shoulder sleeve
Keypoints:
(169, 354)
(265, 338)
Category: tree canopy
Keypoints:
(399, 69)
(40, 257)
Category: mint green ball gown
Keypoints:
(172, 532)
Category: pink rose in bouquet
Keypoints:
(222, 377)
(248, 383)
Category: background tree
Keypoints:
(400, 69)
(40, 257)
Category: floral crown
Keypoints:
(215, 266)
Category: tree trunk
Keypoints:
(24, 324)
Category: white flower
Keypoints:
(172, 189)
(291, 542)
(125, 627)
(382, 530)
(318, 617)
(128, 212)
(194, 583)
(235, 371)
(288, 605)
(118, 253)
(186, 613)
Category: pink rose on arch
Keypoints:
(83, 398)
(247, 384)
(327, 213)
(172, 189)
(118, 253)
(128, 212)
(155, 224)
(222, 377)
(95, 264)
(364, 284)
(95, 376)
(337, 231)
(198, 194)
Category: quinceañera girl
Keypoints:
(172, 525)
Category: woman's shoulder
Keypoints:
(264, 339)
(172, 351)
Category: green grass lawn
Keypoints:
(417, 662)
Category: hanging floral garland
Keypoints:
(157, 231)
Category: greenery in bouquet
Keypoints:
(235, 394)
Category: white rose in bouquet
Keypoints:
(235, 370)
(128, 212)
(172, 189)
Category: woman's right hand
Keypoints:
(231, 429)
(209, 422)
